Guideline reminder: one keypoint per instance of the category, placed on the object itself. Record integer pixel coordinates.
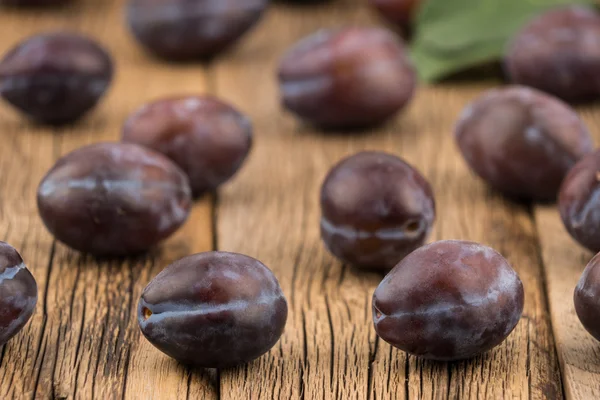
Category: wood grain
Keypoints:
(271, 212)
(564, 261)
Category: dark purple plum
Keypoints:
(114, 199)
(559, 52)
(347, 78)
(449, 300)
(213, 310)
(55, 77)
(522, 141)
(579, 202)
(587, 297)
(34, 3)
(206, 137)
(376, 209)
(18, 293)
(191, 29)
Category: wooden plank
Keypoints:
(83, 341)
(564, 262)
(271, 212)
(27, 152)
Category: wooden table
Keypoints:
(83, 341)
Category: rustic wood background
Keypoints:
(83, 341)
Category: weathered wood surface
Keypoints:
(83, 341)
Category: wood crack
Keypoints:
(79, 340)
(126, 370)
(372, 358)
(332, 348)
(304, 366)
(101, 344)
(449, 372)
(41, 352)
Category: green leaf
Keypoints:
(453, 35)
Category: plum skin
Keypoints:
(376, 209)
(558, 52)
(183, 30)
(18, 293)
(522, 141)
(113, 199)
(55, 77)
(587, 298)
(207, 138)
(213, 310)
(448, 300)
(346, 78)
(579, 204)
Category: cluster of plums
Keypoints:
(448, 300)
(530, 145)
(445, 301)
